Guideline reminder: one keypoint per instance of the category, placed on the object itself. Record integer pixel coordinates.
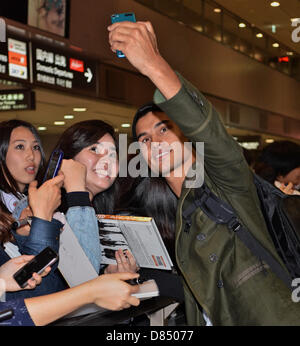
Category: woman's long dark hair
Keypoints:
(80, 136)
(7, 182)
(152, 196)
(5, 224)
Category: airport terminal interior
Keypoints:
(57, 68)
(271, 65)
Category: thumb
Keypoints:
(127, 276)
(24, 258)
(58, 179)
(33, 185)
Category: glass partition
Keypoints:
(210, 19)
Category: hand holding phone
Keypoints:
(122, 17)
(37, 265)
(44, 200)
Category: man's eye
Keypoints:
(145, 140)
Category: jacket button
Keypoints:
(213, 258)
(220, 284)
(201, 236)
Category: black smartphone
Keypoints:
(122, 17)
(54, 164)
(37, 265)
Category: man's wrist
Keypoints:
(164, 78)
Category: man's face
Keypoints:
(163, 144)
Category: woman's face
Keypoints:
(23, 156)
(101, 162)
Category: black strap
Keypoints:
(222, 213)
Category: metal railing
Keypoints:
(212, 20)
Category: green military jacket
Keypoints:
(221, 276)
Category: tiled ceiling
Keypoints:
(52, 106)
(263, 16)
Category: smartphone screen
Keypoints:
(122, 17)
(37, 265)
(54, 165)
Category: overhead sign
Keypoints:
(14, 59)
(13, 100)
(63, 70)
(17, 59)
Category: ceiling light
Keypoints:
(289, 53)
(59, 122)
(259, 35)
(269, 140)
(79, 109)
(42, 128)
(275, 45)
(198, 28)
(217, 10)
(275, 4)
(242, 25)
(125, 125)
(69, 116)
(295, 21)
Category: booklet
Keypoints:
(138, 234)
(76, 268)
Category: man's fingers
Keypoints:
(149, 27)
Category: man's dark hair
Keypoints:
(149, 107)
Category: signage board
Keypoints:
(14, 100)
(64, 70)
(14, 59)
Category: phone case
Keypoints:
(54, 164)
(122, 17)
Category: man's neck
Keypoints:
(175, 184)
(177, 177)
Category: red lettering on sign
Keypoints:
(76, 65)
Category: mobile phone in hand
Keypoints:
(122, 17)
(37, 265)
(54, 164)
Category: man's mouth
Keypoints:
(162, 154)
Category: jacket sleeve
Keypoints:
(200, 122)
(42, 234)
(20, 316)
(84, 224)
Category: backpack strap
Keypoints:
(222, 213)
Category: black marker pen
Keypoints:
(6, 314)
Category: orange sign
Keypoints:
(17, 59)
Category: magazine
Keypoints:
(138, 234)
